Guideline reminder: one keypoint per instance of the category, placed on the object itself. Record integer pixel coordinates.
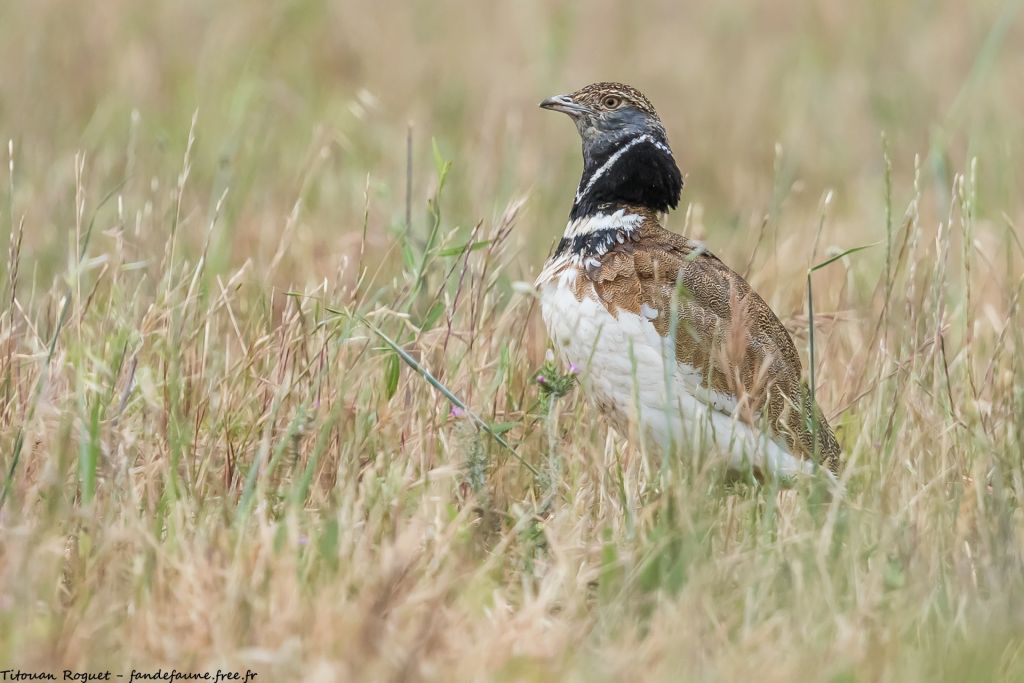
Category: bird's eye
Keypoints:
(612, 102)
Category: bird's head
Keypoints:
(607, 112)
(626, 156)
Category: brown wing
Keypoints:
(722, 327)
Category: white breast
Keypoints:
(630, 372)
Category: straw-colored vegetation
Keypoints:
(210, 457)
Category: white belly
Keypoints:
(630, 372)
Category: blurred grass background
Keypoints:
(208, 461)
(278, 83)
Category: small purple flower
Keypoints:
(541, 379)
(457, 412)
(573, 370)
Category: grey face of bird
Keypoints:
(607, 116)
(606, 132)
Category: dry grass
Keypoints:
(210, 457)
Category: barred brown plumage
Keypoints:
(619, 282)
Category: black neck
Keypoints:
(636, 171)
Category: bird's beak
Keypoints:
(564, 104)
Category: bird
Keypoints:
(670, 343)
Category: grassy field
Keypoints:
(224, 220)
